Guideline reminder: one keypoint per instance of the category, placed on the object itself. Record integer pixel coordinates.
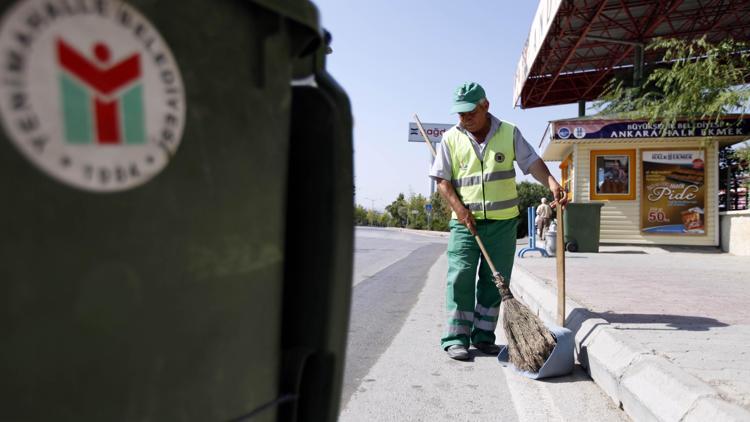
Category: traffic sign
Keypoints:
(428, 207)
(434, 131)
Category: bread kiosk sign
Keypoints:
(673, 197)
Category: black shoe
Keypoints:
(458, 352)
(488, 348)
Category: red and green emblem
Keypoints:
(101, 102)
(92, 95)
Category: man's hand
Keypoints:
(466, 218)
(463, 214)
(558, 192)
(541, 173)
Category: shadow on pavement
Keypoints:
(679, 322)
(692, 249)
(578, 316)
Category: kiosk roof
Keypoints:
(575, 46)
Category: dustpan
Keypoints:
(560, 361)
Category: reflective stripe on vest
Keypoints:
(487, 187)
(475, 180)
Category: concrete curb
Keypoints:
(648, 387)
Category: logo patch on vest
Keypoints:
(499, 157)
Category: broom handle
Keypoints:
(499, 279)
(495, 273)
(560, 258)
(424, 135)
(487, 256)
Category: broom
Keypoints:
(529, 342)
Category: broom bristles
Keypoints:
(529, 342)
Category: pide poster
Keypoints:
(673, 197)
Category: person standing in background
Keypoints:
(543, 216)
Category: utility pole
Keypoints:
(430, 132)
(432, 161)
(372, 202)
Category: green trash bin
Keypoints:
(582, 224)
(154, 171)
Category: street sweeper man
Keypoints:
(474, 172)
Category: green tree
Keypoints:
(412, 210)
(360, 215)
(397, 209)
(373, 218)
(417, 213)
(743, 155)
(734, 164)
(694, 80)
(385, 220)
(441, 213)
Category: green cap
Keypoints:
(466, 97)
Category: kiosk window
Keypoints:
(613, 174)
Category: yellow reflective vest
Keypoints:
(486, 186)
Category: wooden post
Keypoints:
(560, 258)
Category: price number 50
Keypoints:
(656, 215)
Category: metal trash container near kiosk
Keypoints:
(582, 226)
(159, 171)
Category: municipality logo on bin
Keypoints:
(101, 102)
(92, 94)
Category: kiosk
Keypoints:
(659, 185)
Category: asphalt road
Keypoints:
(395, 369)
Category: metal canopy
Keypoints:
(576, 46)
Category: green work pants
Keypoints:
(473, 306)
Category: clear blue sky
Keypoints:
(397, 58)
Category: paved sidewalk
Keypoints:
(664, 331)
